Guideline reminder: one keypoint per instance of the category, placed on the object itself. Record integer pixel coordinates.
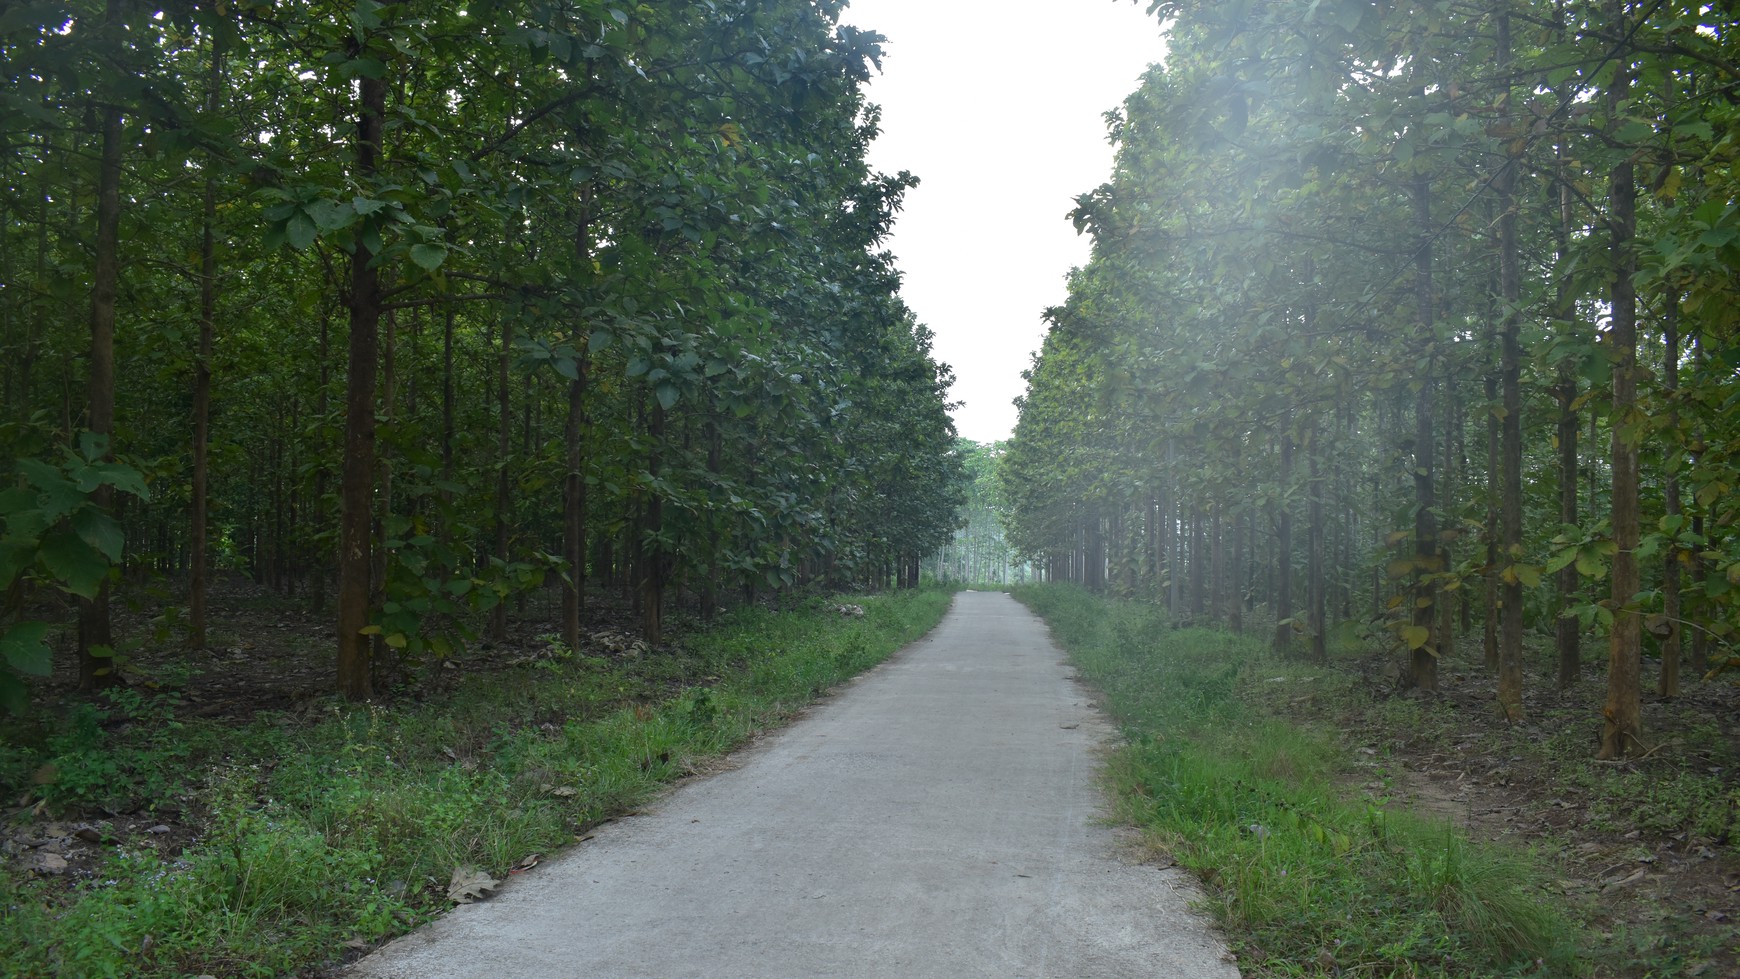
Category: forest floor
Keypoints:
(265, 655)
(1648, 848)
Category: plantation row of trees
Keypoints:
(1419, 314)
(979, 552)
(402, 305)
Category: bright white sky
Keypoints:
(998, 106)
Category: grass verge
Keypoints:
(1306, 875)
(319, 838)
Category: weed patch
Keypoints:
(1306, 878)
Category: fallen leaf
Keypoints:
(470, 884)
(565, 792)
(528, 863)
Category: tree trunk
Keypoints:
(504, 471)
(1217, 564)
(1700, 651)
(1623, 714)
(447, 403)
(574, 507)
(95, 638)
(356, 484)
(1493, 529)
(1567, 636)
(1235, 613)
(1423, 662)
(198, 546)
(1198, 561)
(1316, 588)
(1446, 604)
(653, 557)
(380, 654)
(1510, 651)
(1283, 641)
(1668, 683)
(317, 587)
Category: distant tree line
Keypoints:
(980, 552)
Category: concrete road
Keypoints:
(937, 817)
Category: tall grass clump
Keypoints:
(1307, 876)
(321, 839)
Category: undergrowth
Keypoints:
(345, 831)
(1306, 877)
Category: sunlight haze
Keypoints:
(999, 109)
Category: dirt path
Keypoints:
(936, 818)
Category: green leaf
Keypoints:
(667, 394)
(299, 231)
(15, 557)
(330, 215)
(1560, 561)
(99, 530)
(77, 566)
(428, 257)
(93, 447)
(1416, 636)
(365, 68)
(124, 478)
(24, 649)
(1635, 131)
(14, 695)
(42, 475)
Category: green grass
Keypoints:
(348, 828)
(1306, 875)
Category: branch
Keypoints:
(519, 127)
(443, 300)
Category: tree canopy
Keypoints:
(1344, 241)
